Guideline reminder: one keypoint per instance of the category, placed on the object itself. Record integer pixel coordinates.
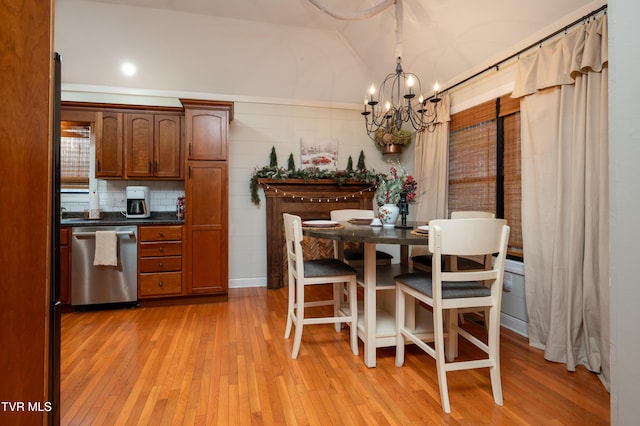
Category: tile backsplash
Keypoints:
(164, 195)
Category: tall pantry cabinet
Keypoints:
(206, 192)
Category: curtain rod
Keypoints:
(531, 46)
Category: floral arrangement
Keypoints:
(392, 185)
(389, 135)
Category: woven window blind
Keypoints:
(473, 160)
(512, 188)
(74, 154)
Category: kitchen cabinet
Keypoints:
(206, 219)
(109, 144)
(153, 145)
(159, 261)
(65, 266)
(206, 193)
(207, 129)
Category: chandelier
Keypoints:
(395, 105)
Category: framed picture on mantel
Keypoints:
(319, 153)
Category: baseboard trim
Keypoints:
(514, 324)
(248, 282)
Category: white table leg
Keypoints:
(370, 329)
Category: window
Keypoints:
(484, 163)
(74, 154)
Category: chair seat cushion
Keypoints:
(450, 290)
(358, 254)
(326, 268)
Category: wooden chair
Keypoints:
(311, 272)
(354, 256)
(448, 291)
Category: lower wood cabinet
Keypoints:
(207, 229)
(159, 261)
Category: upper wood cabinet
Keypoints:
(134, 142)
(109, 144)
(153, 145)
(206, 129)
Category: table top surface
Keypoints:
(369, 234)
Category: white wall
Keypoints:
(624, 154)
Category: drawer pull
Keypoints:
(160, 283)
(161, 234)
(161, 249)
(160, 264)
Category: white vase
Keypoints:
(388, 214)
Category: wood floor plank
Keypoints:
(228, 363)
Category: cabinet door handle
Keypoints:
(189, 150)
(156, 164)
(99, 167)
(150, 169)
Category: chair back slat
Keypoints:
(293, 236)
(469, 237)
(344, 215)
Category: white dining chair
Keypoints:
(303, 273)
(423, 262)
(354, 256)
(448, 291)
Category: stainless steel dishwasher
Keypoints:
(94, 285)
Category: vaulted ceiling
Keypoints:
(289, 48)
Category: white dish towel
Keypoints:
(106, 253)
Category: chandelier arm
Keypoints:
(355, 16)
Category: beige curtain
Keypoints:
(565, 199)
(431, 167)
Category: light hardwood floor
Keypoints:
(228, 363)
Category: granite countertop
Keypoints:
(118, 219)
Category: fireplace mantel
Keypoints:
(312, 199)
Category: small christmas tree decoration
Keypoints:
(273, 158)
(291, 166)
(361, 165)
(350, 164)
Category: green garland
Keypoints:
(280, 173)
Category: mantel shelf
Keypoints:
(263, 181)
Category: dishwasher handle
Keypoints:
(93, 234)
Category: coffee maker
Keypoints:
(138, 205)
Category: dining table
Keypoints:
(376, 322)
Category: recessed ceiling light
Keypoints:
(128, 68)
